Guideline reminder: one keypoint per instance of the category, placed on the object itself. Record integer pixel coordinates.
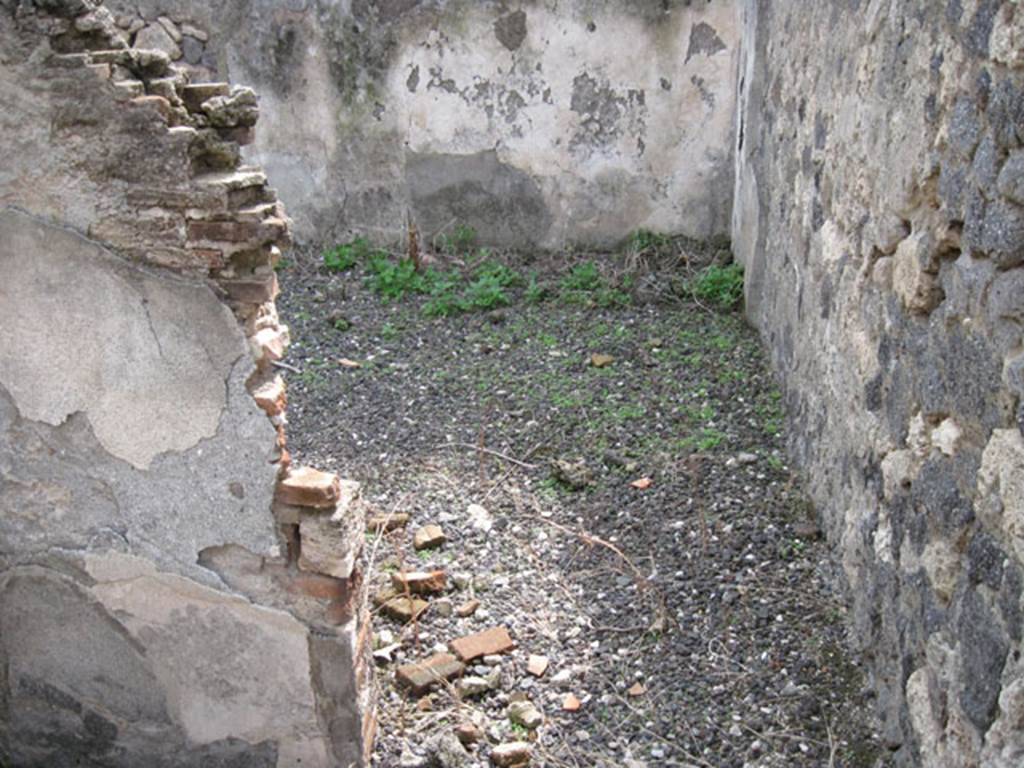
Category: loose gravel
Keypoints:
(680, 594)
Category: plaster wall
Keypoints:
(544, 122)
(149, 610)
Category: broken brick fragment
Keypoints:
(419, 676)
(270, 396)
(486, 643)
(308, 487)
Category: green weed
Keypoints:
(487, 290)
(443, 290)
(582, 277)
(392, 279)
(583, 284)
(347, 255)
(535, 292)
(705, 440)
(721, 286)
(460, 241)
(646, 241)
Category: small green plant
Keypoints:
(312, 377)
(791, 549)
(390, 331)
(606, 298)
(497, 272)
(710, 438)
(487, 290)
(443, 301)
(646, 241)
(347, 255)
(393, 279)
(721, 286)
(582, 277)
(583, 284)
(546, 339)
(485, 293)
(535, 291)
(770, 412)
(460, 241)
(341, 324)
(282, 265)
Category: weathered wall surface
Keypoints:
(153, 607)
(539, 122)
(880, 215)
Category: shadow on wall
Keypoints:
(480, 191)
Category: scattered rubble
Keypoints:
(673, 591)
(429, 537)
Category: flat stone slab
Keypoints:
(486, 643)
(512, 755)
(429, 537)
(420, 582)
(404, 608)
(420, 676)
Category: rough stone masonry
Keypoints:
(879, 211)
(157, 605)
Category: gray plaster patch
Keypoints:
(62, 490)
(88, 684)
(602, 111)
(704, 40)
(144, 357)
(510, 29)
(478, 190)
(706, 95)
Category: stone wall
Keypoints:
(157, 605)
(879, 211)
(541, 122)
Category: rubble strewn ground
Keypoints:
(611, 490)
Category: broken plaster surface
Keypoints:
(161, 666)
(103, 369)
(144, 358)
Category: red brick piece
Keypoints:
(486, 643)
(270, 396)
(419, 676)
(308, 487)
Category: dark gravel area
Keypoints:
(690, 616)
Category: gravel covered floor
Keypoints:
(679, 595)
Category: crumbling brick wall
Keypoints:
(157, 602)
(880, 216)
